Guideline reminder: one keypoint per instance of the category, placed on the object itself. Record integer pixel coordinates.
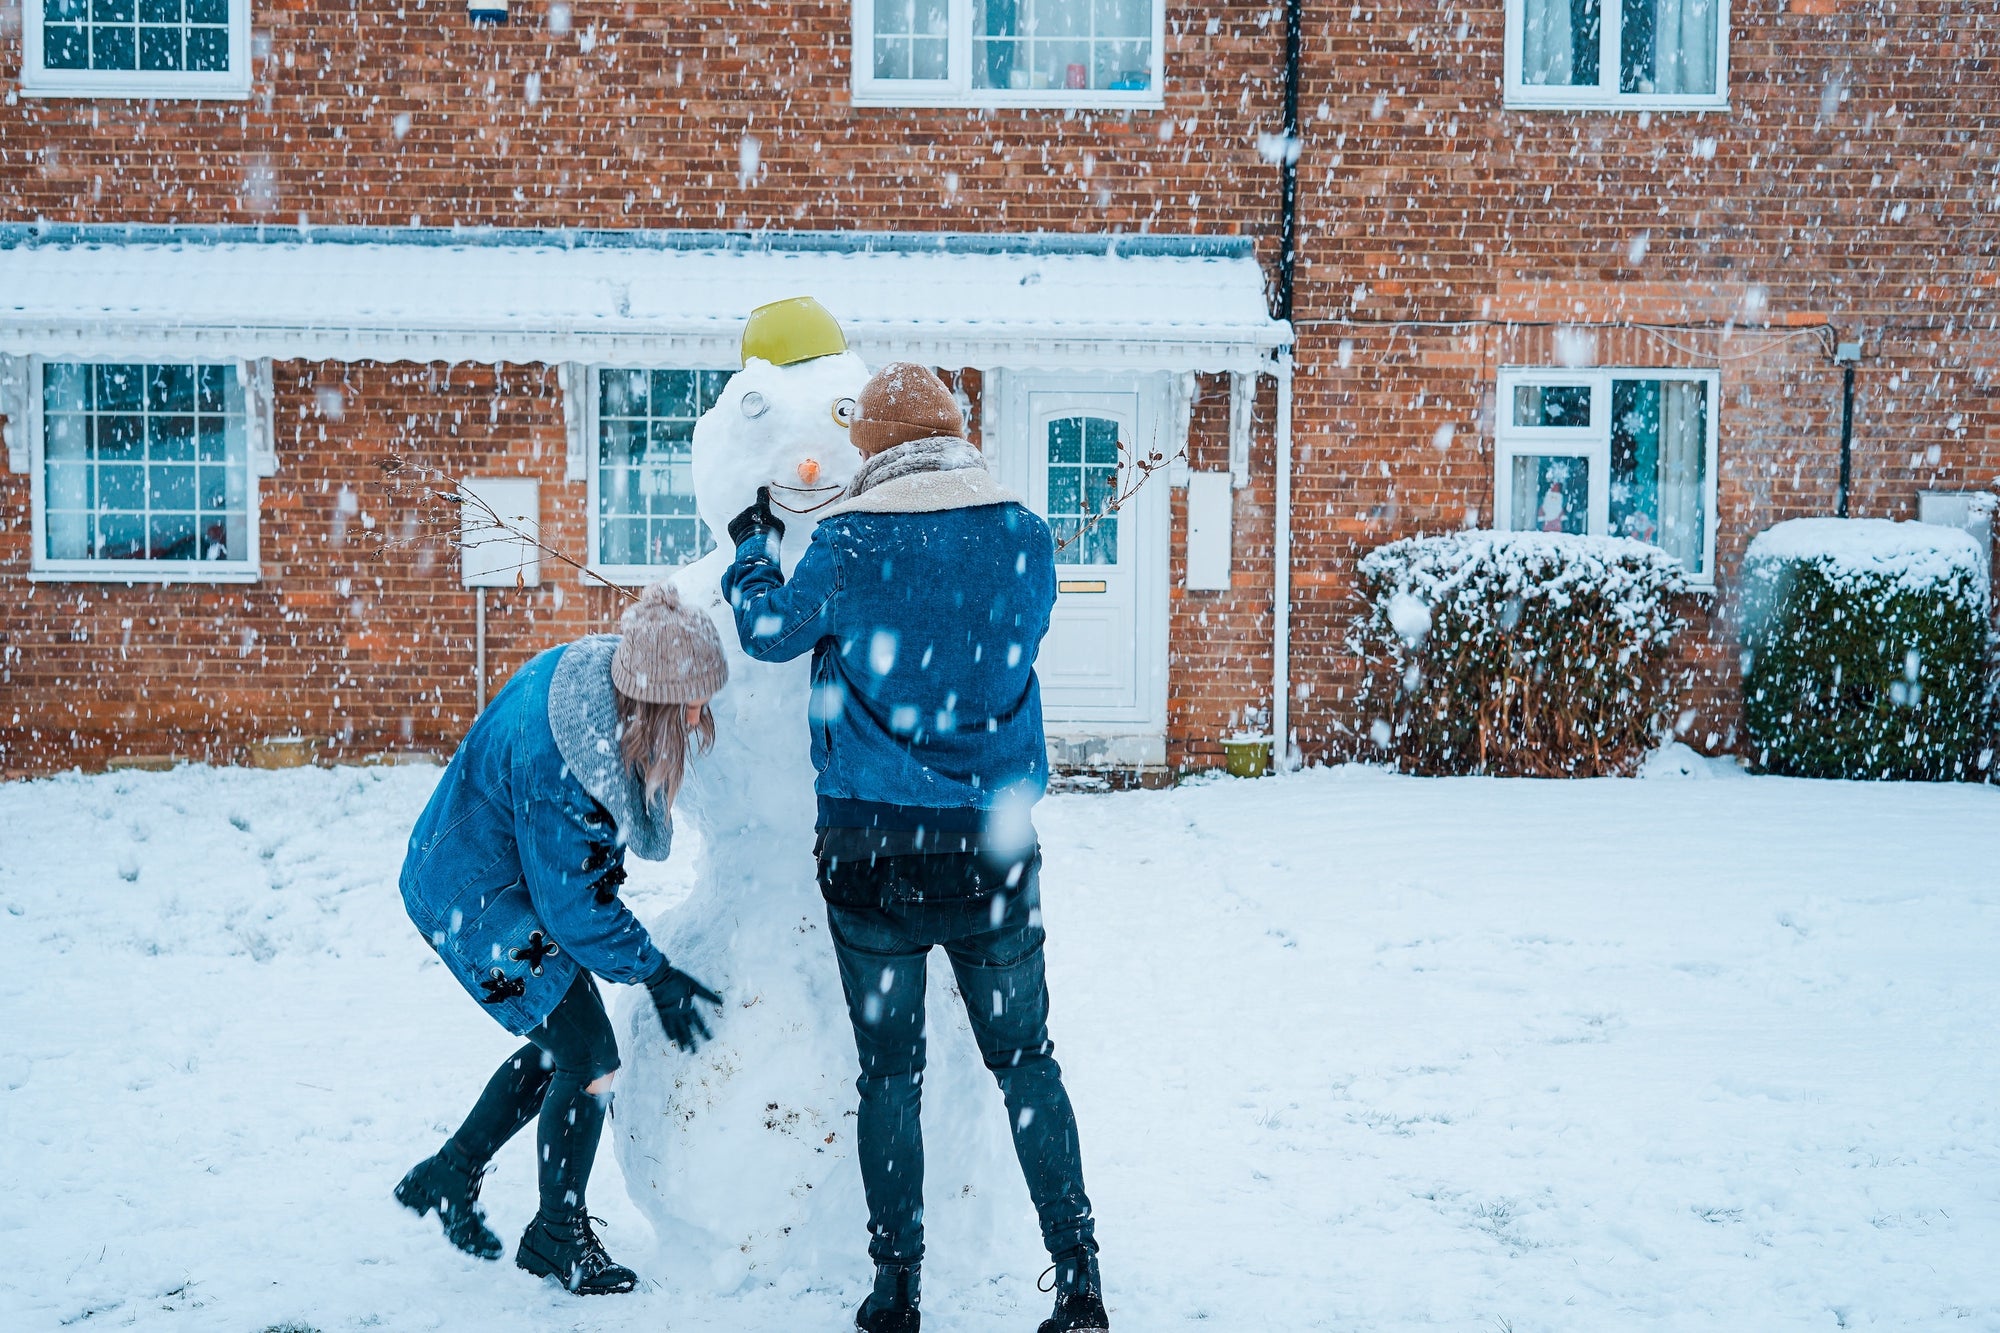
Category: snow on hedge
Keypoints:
(1910, 556)
(1518, 652)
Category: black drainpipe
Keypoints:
(1846, 354)
(1288, 218)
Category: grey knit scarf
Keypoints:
(583, 714)
(941, 453)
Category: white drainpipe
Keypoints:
(1281, 593)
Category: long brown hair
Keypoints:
(653, 742)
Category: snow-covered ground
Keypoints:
(1350, 1051)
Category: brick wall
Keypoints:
(1853, 186)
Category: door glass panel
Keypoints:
(1083, 481)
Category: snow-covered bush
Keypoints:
(1864, 650)
(1518, 652)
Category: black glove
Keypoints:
(674, 994)
(757, 519)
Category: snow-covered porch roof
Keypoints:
(630, 298)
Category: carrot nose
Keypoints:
(809, 471)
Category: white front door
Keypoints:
(1067, 444)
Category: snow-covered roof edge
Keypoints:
(638, 298)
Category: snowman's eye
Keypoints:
(843, 411)
(754, 405)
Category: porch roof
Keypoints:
(630, 298)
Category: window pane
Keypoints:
(1062, 44)
(1659, 465)
(68, 486)
(892, 57)
(120, 536)
(65, 46)
(68, 535)
(1559, 43)
(645, 484)
(172, 537)
(208, 11)
(120, 388)
(1560, 405)
(122, 480)
(1551, 493)
(1668, 46)
(121, 439)
(68, 436)
(170, 439)
(160, 11)
(114, 48)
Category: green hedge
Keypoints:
(1521, 653)
(1865, 651)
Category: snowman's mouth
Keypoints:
(831, 493)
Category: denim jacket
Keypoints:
(923, 602)
(514, 866)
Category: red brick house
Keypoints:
(1559, 263)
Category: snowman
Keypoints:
(741, 1155)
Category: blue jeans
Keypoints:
(995, 947)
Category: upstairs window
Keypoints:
(1636, 54)
(1622, 453)
(642, 512)
(136, 48)
(1062, 53)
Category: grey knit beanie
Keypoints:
(669, 653)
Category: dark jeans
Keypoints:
(573, 1048)
(995, 946)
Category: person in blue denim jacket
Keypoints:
(923, 598)
(513, 874)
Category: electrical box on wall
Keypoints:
(1211, 500)
(502, 553)
(1971, 511)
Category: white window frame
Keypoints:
(1593, 442)
(249, 569)
(230, 84)
(956, 89)
(1604, 96)
(625, 576)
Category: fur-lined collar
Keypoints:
(927, 491)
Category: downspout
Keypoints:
(1281, 591)
(1288, 214)
(1281, 551)
(1846, 354)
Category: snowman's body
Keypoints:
(742, 1154)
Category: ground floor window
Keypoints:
(142, 472)
(641, 470)
(1628, 453)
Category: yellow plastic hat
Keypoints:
(787, 332)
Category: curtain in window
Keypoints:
(1683, 460)
(1559, 42)
(1668, 47)
(1545, 42)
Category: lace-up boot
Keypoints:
(438, 1184)
(892, 1306)
(566, 1249)
(1079, 1294)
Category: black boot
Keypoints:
(439, 1185)
(1079, 1295)
(566, 1249)
(892, 1306)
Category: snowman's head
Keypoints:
(784, 427)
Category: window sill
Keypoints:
(1630, 103)
(997, 99)
(146, 574)
(117, 86)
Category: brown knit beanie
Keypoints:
(670, 653)
(904, 402)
